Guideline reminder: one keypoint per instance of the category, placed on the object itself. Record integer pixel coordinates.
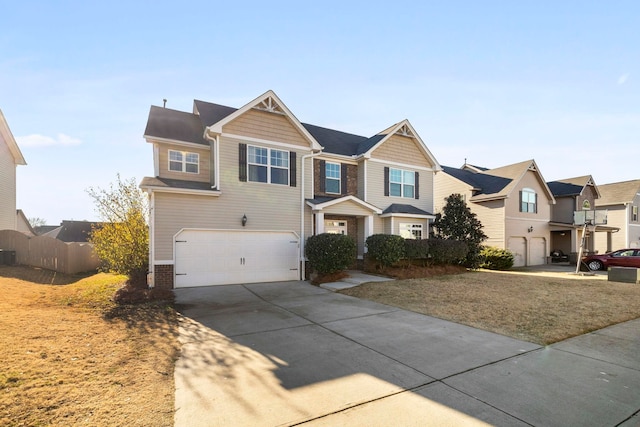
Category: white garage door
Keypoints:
(226, 257)
(538, 251)
(518, 246)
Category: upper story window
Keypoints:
(634, 214)
(182, 161)
(586, 205)
(268, 165)
(528, 201)
(411, 231)
(402, 183)
(332, 178)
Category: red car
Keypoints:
(619, 258)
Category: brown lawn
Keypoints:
(71, 357)
(533, 307)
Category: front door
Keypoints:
(335, 227)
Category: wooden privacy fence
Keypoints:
(47, 252)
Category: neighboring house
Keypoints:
(574, 194)
(10, 158)
(23, 225)
(512, 202)
(236, 192)
(622, 202)
(72, 231)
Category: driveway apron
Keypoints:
(294, 354)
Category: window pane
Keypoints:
(395, 175)
(175, 166)
(257, 173)
(407, 191)
(279, 176)
(409, 178)
(279, 158)
(192, 158)
(258, 155)
(332, 186)
(192, 168)
(395, 190)
(175, 155)
(332, 170)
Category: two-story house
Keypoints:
(10, 158)
(622, 202)
(237, 191)
(575, 194)
(512, 202)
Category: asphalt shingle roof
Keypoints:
(404, 209)
(482, 182)
(172, 124)
(560, 189)
(618, 192)
(174, 183)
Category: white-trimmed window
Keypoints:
(634, 214)
(411, 230)
(182, 161)
(402, 183)
(268, 165)
(528, 201)
(332, 178)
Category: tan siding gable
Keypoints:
(401, 149)
(375, 189)
(529, 180)
(348, 207)
(268, 126)
(204, 166)
(446, 185)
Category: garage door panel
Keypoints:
(223, 257)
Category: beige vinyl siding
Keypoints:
(8, 216)
(616, 217)
(347, 208)
(375, 188)
(445, 186)
(401, 149)
(203, 174)
(398, 220)
(268, 126)
(267, 206)
(491, 216)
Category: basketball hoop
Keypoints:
(586, 218)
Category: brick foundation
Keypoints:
(163, 276)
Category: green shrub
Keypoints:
(329, 253)
(415, 249)
(385, 249)
(443, 251)
(494, 258)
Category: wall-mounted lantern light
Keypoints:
(244, 220)
(530, 229)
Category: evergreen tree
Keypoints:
(457, 222)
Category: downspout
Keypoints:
(303, 158)
(213, 158)
(152, 231)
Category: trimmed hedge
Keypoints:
(385, 249)
(443, 251)
(494, 258)
(415, 249)
(328, 253)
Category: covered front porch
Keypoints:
(566, 239)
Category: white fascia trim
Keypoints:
(403, 165)
(292, 147)
(403, 215)
(210, 193)
(156, 160)
(238, 230)
(354, 199)
(338, 158)
(156, 140)
(515, 218)
(164, 262)
(18, 158)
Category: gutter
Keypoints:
(302, 204)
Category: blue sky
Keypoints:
(495, 82)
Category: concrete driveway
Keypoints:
(293, 354)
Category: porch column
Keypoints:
(368, 229)
(319, 222)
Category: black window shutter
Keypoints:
(343, 178)
(535, 207)
(292, 168)
(242, 162)
(520, 193)
(417, 190)
(386, 181)
(323, 176)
